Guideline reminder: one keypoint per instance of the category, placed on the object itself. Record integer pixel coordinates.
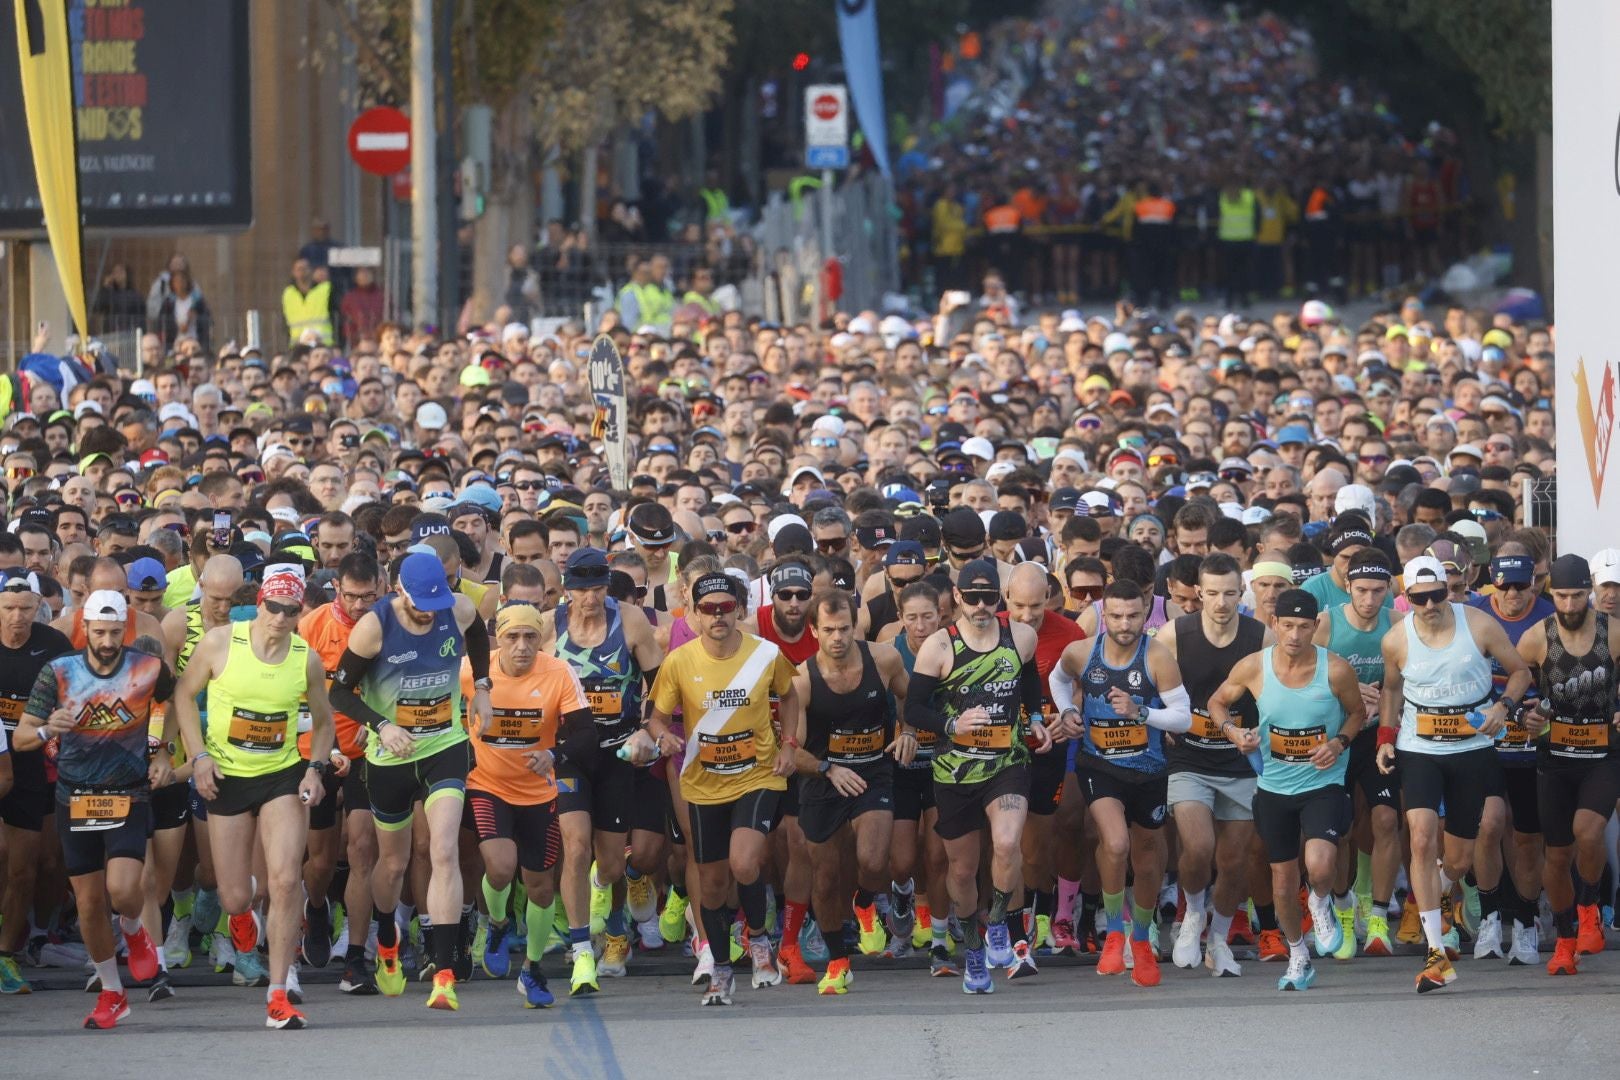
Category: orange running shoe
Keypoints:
(1563, 960)
(1145, 971)
(1241, 933)
(791, 961)
(1588, 942)
(1112, 960)
(1411, 931)
(1272, 946)
(244, 931)
(281, 1015)
(1437, 972)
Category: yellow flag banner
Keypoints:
(46, 58)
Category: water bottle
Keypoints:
(624, 751)
(1257, 761)
(1476, 719)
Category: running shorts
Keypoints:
(246, 794)
(823, 811)
(1281, 820)
(962, 806)
(394, 790)
(605, 789)
(1458, 783)
(1562, 791)
(713, 823)
(87, 847)
(1143, 797)
(533, 828)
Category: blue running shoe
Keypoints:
(998, 945)
(1300, 973)
(1325, 926)
(532, 987)
(497, 961)
(975, 975)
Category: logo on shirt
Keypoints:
(725, 699)
(1134, 677)
(448, 648)
(402, 658)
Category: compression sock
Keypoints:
(184, 903)
(443, 941)
(1196, 901)
(972, 932)
(1489, 901)
(1067, 892)
(1000, 901)
(1141, 921)
(495, 900)
(753, 905)
(792, 923)
(864, 898)
(615, 921)
(1363, 883)
(1585, 891)
(387, 932)
(537, 922)
(717, 929)
(901, 898)
(1266, 915)
(1114, 908)
(1432, 930)
(1565, 922)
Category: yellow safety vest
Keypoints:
(311, 310)
(718, 205)
(653, 303)
(1237, 217)
(707, 303)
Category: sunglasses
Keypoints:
(981, 597)
(717, 607)
(276, 607)
(20, 472)
(251, 476)
(823, 442)
(1486, 515)
(1235, 475)
(1514, 586)
(127, 497)
(964, 556)
(716, 535)
(1085, 592)
(742, 528)
(348, 442)
(1374, 459)
(1089, 423)
(837, 543)
(529, 485)
(1155, 460)
(1428, 597)
(792, 596)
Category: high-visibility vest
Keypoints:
(1237, 216)
(707, 303)
(305, 311)
(719, 206)
(1155, 211)
(654, 305)
(1001, 219)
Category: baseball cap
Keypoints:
(1007, 525)
(1450, 554)
(430, 414)
(802, 470)
(1358, 497)
(1513, 570)
(1479, 549)
(962, 528)
(1065, 498)
(1605, 566)
(1570, 572)
(146, 575)
(105, 605)
(979, 447)
(1297, 604)
(979, 574)
(874, 536)
(791, 537)
(905, 553)
(1423, 570)
(586, 568)
(422, 579)
(1293, 434)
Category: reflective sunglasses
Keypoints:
(717, 607)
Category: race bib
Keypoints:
(1114, 737)
(1516, 739)
(1444, 726)
(994, 738)
(1296, 745)
(421, 717)
(855, 746)
(512, 727)
(90, 811)
(606, 705)
(11, 710)
(726, 755)
(257, 732)
(1205, 733)
(1578, 737)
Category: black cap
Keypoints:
(652, 525)
(875, 536)
(793, 538)
(962, 528)
(1570, 572)
(979, 574)
(1296, 604)
(904, 553)
(1065, 498)
(923, 529)
(1007, 525)
(790, 575)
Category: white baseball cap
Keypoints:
(1605, 565)
(979, 447)
(430, 414)
(1358, 497)
(1423, 569)
(105, 605)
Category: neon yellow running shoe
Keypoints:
(837, 979)
(601, 903)
(583, 979)
(1347, 922)
(443, 994)
(873, 939)
(672, 923)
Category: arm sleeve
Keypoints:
(920, 711)
(649, 677)
(576, 737)
(477, 648)
(346, 690)
(1029, 689)
(1061, 686)
(1176, 716)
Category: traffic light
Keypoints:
(801, 61)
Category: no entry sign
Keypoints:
(380, 141)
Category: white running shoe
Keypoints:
(652, 938)
(177, 943)
(295, 989)
(1219, 959)
(1526, 948)
(766, 973)
(1488, 939)
(704, 972)
(1186, 950)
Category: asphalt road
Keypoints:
(1360, 1019)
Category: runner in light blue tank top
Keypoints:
(1292, 724)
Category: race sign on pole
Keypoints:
(606, 373)
(826, 126)
(380, 141)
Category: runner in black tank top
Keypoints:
(847, 767)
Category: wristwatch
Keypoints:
(320, 767)
(1343, 740)
(484, 684)
(822, 767)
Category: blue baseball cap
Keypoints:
(586, 568)
(901, 493)
(904, 553)
(1512, 570)
(1293, 433)
(147, 575)
(422, 580)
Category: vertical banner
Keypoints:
(1586, 229)
(46, 59)
(863, 70)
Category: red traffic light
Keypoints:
(801, 61)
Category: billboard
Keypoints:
(162, 97)
(1586, 233)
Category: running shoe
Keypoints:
(357, 980)
(1220, 961)
(1272, 946)
(703, 974)
(11, 977)
(92, 985)
(1437, 972)
(390, 972)
(1377, 941)
(221, 957)
(1242, 932)
(601, 903)
(615, 953)
(812, 944)
(480, 943)
(497, 962)
(1043, 933)
(922, 930)
(940, 964)
(250, 970)
(642, 898)
(143, 957)
(318, 934)
(1525, 950)
(1145, 968)
(1363, 913)
(1347, 924)
(1469, 914)
(791, 961)
(1063, 939)
(872, 938)
(161, 989)
(443, 994)
(719, 991)
(1449, 936)
(900, 926)
(1185, 954)
(672, 922)
(649, 935)
(205, 911)
(110, 1008)
(295, 989)
(1300, 973)
(531, 987)
(245, 931)
(998, 945)
(1023, 964)
(280, 1014)
(1411, 931)
(1564, 955)
(1589, 939)
(177, 943)
(837, 979)
(583, 978)
(1488, 941)
(1325, 925)
(976, 974)
(898, 948)
(766, 973)
(1112, 959)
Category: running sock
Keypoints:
(129, 926)
(1089, 904)
(1220, 926)
(754, 903)
(1345, 901)
(792, 924)
(1196, 901)
(1266, 915)
(901, 897)
(107, 972)
(1000, 902)
(678, 889)
(184, 903)
(1381, 910)
(1296, 949)
(273, 989)
(354, 953)
(1565, 922)
(1363, 882)
(1043, 903)
(579, 935)
(496, 901)
(717, 929)
(1067, 892)
(837, 946)
(1141, 921)
(972, 932)
(443, 941)
(1447, 883)
(1585, 891)
(1432, 930)
(615, 922)
(939, 930)
(864, 898)
(1490, 901)
(537, 922)
(1113, 904)
(387, 933)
